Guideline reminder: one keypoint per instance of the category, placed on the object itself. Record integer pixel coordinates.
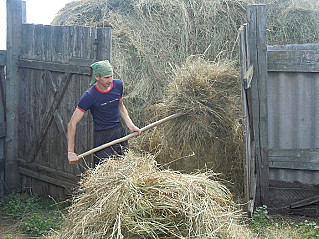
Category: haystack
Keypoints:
(133, 198)
(152, 37)
(208, 135)
(292, 21)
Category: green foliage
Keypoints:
(260, 219)
(37, 224)
(37, 215)
(8, 236)
(309, 230)
(262, 224)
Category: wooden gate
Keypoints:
(52, 73)
(280, 88)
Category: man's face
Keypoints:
(105, 80)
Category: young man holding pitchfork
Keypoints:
(105, 101)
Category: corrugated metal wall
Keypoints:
(293, 107)
(293, 126)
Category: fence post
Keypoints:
(14, 24)
(256, 17)
(104, 41)
(2, 121)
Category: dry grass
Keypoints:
(153, 38)
(292, 21)
(133, 198)
(208, 135)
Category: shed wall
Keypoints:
(293, 123)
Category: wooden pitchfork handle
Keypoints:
(129, 135)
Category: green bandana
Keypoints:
(101, 68)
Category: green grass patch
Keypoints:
(36, 215)
(260, 220)
(279, 227)
(308, 229)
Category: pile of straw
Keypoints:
(209, 131)
(133, 198)
(153, 38)
(150, 37)
(292, 21)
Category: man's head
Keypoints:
(101, 68)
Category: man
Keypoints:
(105, 100)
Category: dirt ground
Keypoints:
(298, 215)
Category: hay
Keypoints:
(81, 13)
(292, 21)
(151, 38)
(209, 131)
(133, 198)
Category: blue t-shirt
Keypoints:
(104, 105)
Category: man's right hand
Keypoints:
(73, 158)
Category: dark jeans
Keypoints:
(105, 136)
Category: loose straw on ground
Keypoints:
(133, 198)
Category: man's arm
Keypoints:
(75, 119)
(126, 118)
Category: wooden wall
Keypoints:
(293, 125)
(53, 71)
(280, 88)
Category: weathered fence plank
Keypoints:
(256, 18)
(247, 129)
(59, 122)
(2, 57)
(294, 159)
(52, 172)
(2, 122)
(294, 58)
(14, 24)
(47, 120)
(42, 177)
(103, 43)
(58, 67)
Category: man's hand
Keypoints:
(133, 129)
(73, 158)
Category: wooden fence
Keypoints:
(253, 60)
(48, 71)
(280, 87)
(293, 125)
